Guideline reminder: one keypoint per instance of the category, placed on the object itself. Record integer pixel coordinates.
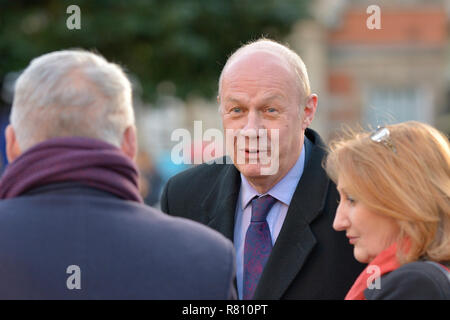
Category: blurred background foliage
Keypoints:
(178, 46)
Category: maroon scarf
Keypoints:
(89, 161)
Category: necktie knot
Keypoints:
(261, 207)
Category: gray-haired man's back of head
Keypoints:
(71, 93)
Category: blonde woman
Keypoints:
(394, 187)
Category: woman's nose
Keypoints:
(341, 221)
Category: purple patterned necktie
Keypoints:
(258, 244)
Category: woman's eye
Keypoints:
(346, 198)
(351, 200)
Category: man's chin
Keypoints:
(254, 170)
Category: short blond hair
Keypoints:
(410, 184)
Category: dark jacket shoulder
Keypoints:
(186, 191)
(125, 250)
(206, 172)
(413, 281)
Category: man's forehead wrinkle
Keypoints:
(263, 96)
(270, 79)
(245, 97)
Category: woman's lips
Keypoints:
(351, 239)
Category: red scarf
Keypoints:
(386, 261)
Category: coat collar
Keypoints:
(296, 240)
(220, 204)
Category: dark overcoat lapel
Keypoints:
(220, 204)
(296, 240)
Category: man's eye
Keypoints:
(236, 110)
(271, 110)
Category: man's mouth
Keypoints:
(253, 151)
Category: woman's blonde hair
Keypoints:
(408, 181)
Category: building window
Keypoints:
(388, 105)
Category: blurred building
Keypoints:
(372, 77)
(159, 127)
(364, 77)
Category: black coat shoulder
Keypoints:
(205, 172)
(124, 249)
(412, 281)
(189, 188)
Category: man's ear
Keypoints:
(309, 110)
(12, 146)
(129, 142)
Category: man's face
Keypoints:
(258, 91)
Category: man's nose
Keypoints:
(341, 221)
(252, 126)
